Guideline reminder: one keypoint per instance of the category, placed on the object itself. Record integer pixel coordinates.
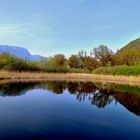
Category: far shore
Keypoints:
(39, 76)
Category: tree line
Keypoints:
(83, 61)
(101, 56)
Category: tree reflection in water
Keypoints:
(16, 88)
(101, 100)
(98, 94)
(56, 87)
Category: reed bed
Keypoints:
(34, 76)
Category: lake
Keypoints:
(69, 111)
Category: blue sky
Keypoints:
(48, 27)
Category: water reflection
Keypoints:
(99, 95)
(16, 88)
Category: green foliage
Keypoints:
(13, 63)
(102, 60)
(82, 62)
(56, 69)
(87, 61)
(90, 63)
(118, 70)
(57, 63)
(74, 61)
(103, 54)
(58, 60)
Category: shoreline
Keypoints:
(34, 76)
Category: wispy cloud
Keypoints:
(10, 30)
(31, 26)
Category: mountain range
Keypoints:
(19, 52)
(23, 53)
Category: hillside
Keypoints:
(20, 52)
(135, 44)
(129, 54)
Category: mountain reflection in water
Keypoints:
(98, 94)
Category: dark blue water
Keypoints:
(67, 110)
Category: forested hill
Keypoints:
(135, 45)
(129, 54)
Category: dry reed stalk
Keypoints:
(5, 75)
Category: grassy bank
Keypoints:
(119, 70)
(6, 75)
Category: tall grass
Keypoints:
(119, 70)
(76, 70)
(51, 69)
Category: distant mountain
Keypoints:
(20, 52)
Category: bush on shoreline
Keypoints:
(56, 69)
(118, 70)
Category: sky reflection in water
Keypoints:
(69, 110)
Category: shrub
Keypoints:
(118, 70)
(56, 69)
(13, 63)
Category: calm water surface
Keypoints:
(69, 110)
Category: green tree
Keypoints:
(74, 61)
(87, 61)
(90, 63)
(58, 60)
(103, 54)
